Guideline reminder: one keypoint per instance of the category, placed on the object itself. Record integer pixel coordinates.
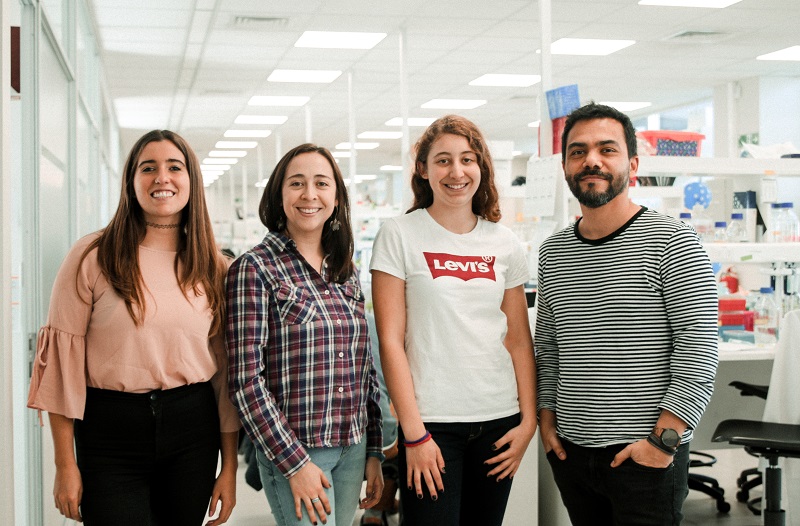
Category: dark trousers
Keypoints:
(469, 496)
(148, 459)
(630, 494)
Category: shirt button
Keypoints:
(153, 396)
(338, 322)
(341, 389)
(341, 354)
(327, 292)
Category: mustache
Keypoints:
(593, 172)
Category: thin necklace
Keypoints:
(164, 227)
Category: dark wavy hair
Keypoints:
(337, 245)
(199, 265)
(592, 111)
(485, 202)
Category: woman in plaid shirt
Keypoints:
(301, 372)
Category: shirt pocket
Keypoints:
(354, 296)
(295, 306)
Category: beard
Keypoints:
(593, 198)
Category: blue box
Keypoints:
(562, 101)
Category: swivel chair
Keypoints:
(750, 478)
(771, 441)
(704, 483)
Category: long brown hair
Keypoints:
(199, 265)
(485, 202)
(337, 245)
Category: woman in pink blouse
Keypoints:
(131, 365)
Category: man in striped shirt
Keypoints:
(626, 337)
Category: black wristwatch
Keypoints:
(665, 439)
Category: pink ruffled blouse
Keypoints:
(90, 339)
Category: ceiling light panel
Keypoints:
(588, 46)
(714, 4)
(341, 154)
(309, 76)
(339, 40)
(506, 80)
(358, 145)
(260, 134)
(261, 119)
(380, 135)
(627, 106)
(453, 104)
(277, 100)
(790, 53)
(413, 122)
(236, 144)
(227, 153)
(220, 160)
(391, 168)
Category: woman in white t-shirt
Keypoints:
(455, 343)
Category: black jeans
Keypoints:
(630, 494)
(469, 496)
(148, 459)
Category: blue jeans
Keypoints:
(630, 494)
(344, 468)
(469, 496)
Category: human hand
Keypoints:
(374, 489)
(509, 459)
(547, 430)
(224, 491)
(68, 491)
(425, 463)
(308, 486)
(643, 454)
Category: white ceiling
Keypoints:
(187, 66)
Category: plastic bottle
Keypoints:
(766, 318)
(702, 224)
(776, 223)
(686, 217)
(720, 232)
(736, 231)
(791, 225)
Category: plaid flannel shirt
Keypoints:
(300, 365)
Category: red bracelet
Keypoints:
(420, 441)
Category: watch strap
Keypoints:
(655, 441)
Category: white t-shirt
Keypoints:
(455, 284)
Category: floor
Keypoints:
(700, 510)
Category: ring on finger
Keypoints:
(315, 499)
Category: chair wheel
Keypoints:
(723, 507)
(742, 495)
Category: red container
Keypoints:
(731, 304)
(674, 143)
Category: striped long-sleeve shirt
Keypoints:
(300, 364)
(626, 326)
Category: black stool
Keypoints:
(771, 441)
(750, 478)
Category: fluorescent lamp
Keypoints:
(277, 100)
(453, 104)
(418, 122)
(248, 133)
(212, 173)
(236, 144)
(391, 168)
(313, 76)
(366, 177)
(515, 153)
(503, 79)
(380, 135)
(715, 4)
(261, 119)
(790, 53)
(220, 160)
(588, 46)
(214, 167)
(262, 183)
(358, 145)
(341, 154)
(534, 124)
(339, 40)
(227, 153)
(628, 106)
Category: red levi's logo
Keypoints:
(461, 267)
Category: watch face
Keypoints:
(670, 438)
